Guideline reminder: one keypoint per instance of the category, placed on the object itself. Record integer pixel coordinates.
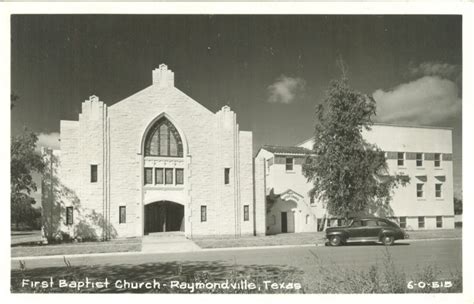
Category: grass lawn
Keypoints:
(269, 240)
(306, 238)
(121, 245)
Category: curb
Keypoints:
(104, 254)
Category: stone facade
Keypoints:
(113, 139)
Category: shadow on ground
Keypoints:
(189, 272)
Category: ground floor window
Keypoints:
(203, 213)
(246, 212)
(403, 222)
(329, 223)
(421, 222)
(122, 215)
(69, 215)
(439, 222)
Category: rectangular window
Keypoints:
(439, 222)
(179, 176)
(401, 159)
(93, 173)
(289, 164)
(169, 176)
(122, 215)
(421, 222)
(148, 176)
(328, 223)
(69, 215)
(403, 222)
(419, 190)
(159, 176)
(203, 213)
(419, 159)
(339, 222)
(246, 212)
(437, 160)
(226, 176)
(438, 190)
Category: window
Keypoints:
(289, 164)
(179, 176)
(401, 159)
(69, 215)
(403, 222)
(311, 200)
(356, 224)
(148, 176)
(382, 223)
(159, 176)
(122, 215)
(168, 176)
(370, 223)
(163, 140)
(203, 213)
(93, 173)
(437, 160)
(246, 212)
(328, 223)
(226, 176)
(419, 159)
(419, 190)
(421, 222)
(438, 190)
(339, 222)
(439, 222)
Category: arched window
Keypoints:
(163, 140)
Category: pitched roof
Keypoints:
(286, 150)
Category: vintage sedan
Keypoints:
(369, 229)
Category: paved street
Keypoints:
(445, 254)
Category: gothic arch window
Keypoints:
(163, 140)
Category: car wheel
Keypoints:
(335, 240)
(388, 240)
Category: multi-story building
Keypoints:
(422, 153)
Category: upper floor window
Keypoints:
(419, 191)
(438, 190)
(163, 140)
(437, 160)
(400, 159)
(93, 173)
(419, 159)
(148, 176)
(289, 164)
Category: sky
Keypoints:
(272, 70)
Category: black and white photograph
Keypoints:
(236, 153)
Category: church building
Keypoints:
(157, 161)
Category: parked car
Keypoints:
(369, 229)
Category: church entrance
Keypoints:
(164, 216)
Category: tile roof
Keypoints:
(286, 150)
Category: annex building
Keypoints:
(424, 154)
(158, 161)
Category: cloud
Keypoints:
(285, 89)
(48, 140)
(427, 100)
(444, 70)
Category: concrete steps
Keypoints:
(168, 242)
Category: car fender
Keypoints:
(387, 232)
(342, 234)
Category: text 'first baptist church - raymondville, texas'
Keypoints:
(159, 161)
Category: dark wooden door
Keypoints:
(284, 222)
(164, 216)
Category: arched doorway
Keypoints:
(164, 216)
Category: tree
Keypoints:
(24, 161)
(349, 174)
